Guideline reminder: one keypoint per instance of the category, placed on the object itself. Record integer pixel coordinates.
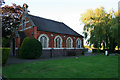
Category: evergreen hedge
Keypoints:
(30, 49)
(5, 54)
(5, 42)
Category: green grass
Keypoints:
(83, 67)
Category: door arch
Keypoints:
(13, 46)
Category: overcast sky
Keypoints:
(66, 11)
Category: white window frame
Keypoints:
(77, 44)
(47, 39)
(71, 42)
(60, 41)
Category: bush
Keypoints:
(30, 49)
(5, 55)
(95, 50)
(5, 42)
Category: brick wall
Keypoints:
(51, 38)
(18, 42)
(50, 53)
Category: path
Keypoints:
(15, 60)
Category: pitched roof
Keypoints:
(52, 26)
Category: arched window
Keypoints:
(43, 38)
(78, 43)
(69, 42)
(58, 42)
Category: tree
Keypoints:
(101, 27)
(11, 16)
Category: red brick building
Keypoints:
(52, 34)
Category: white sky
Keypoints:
(66, 11)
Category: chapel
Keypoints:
(56, 37)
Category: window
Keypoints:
(43, 38)
(58, 42)
(78, 43)
(69, 42)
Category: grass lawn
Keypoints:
(83, 67)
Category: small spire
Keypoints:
(25, 6)
(25, 11)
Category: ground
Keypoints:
(99, 66)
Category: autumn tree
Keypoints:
(11, 16)
(10, 19)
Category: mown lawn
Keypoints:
(83, 67)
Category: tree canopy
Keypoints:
(101, 27)
(11, 16)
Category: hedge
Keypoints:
(5, 54)
(30, 49)
(5, 42)
(103, 51)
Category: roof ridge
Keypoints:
(45, 18)
(44, 24)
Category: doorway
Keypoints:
(13, 44)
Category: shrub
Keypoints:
(95, 50)
(5, 55)
(5, 42)
(30, 49)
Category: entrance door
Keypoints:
(13, 47)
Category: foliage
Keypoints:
(101, 28)
(30, 49)
(89, 47)
(5, 42)
(84, 67)
(11, 16)
(5, 55)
